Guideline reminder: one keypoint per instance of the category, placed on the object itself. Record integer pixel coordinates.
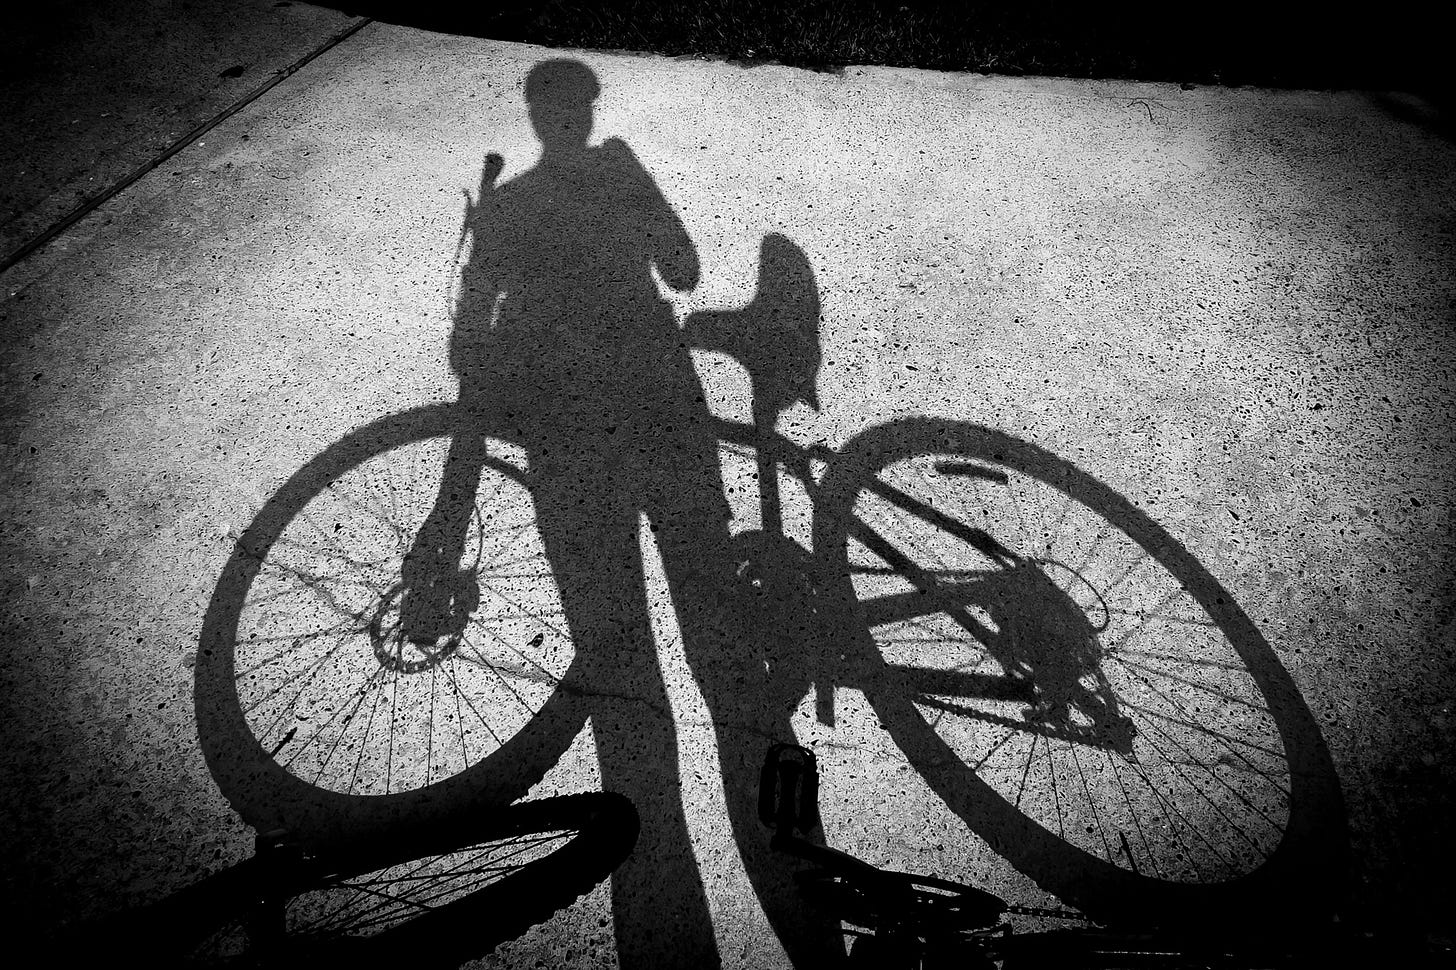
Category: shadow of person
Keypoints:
(563, 342)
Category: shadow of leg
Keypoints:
(659, 905)
(438, 597)
(751, 686)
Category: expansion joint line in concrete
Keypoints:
(87, 206)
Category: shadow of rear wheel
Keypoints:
(1074, 684)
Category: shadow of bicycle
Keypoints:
(423, 618)
(433, 894)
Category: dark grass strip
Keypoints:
(1277, 43)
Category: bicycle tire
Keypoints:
(923, 905)
(1208, 949)
(302, 574)
(429, 895)
(1297, 867)
(467, 887)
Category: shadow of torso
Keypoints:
(560, 325)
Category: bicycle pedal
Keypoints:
(788, 789)
(271, 839)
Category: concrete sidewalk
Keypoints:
(96, 91)
(1234, 307)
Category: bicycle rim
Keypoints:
(315, 712)
(436, 896)
(1073, 683)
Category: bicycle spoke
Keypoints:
(994, 748)
(1034, 538)
(528, 611)
(1091, 803)
(309, 674)
(1183, 817)
(297, 642)
(363, 905)
(313, 585)
(430, 734)
(363, 743)
(340, 554)
(525, 705)
(1056, 790)
(1230, 666)
(342, 650)
(1056, 532)
(318, 733)
(460, 694)
(1144, 618)
(1101, 646)
(1136, 817)
(1227, 741)
(1210, 691)
(1026, 770)
(1192, 762)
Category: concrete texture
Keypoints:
(94, 90)
(1234, 307)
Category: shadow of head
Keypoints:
(560, 93)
